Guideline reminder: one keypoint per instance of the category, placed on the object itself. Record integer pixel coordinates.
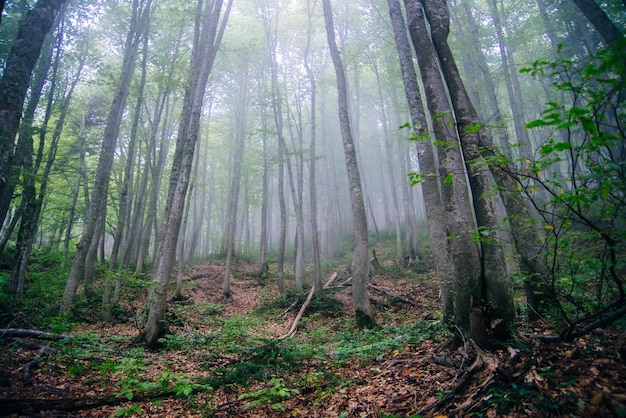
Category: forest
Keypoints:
(313, 208)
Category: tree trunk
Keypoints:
(98, 201)
(363, 311)
(496, 286)
(206, 43)
(599, 19)
(317, 263)
(512, 84)
(14, 85)
(425, 153)
(463, 253)
(233, 196)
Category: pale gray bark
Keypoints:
(463, 253)
(207, 39)
(363, 311)
(317, 274)
(233, 196)
(495, 287)
(430, 184)
(97, 204)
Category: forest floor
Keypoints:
(225, 359)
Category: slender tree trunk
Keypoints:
(363, 311)
(30, 222)
(496, 113)
(512, 84)
(98, 201)
(263, 240)
(233, 197)
(317, 263)
(206, 43)
(278, 122)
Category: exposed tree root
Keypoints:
(482, 361)
(43, 351)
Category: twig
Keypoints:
(284, 313)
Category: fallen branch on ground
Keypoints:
(31, 333)
(294, 325)
(43, 351)
(331, 280)
(384, 292)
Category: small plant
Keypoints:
(273, 396)
(130, 411)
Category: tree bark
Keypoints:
(599, 19)
(363, 311)
(496, 286)
(207, 39)
(425, 153)
(14, 84)
(317, 275)
(463, 254)
(97, 204)
(233, 196)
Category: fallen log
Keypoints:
(31, 333)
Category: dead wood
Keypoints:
(483, 360)
(29, 406)
(331, 280)
(294, 325)
(31, 333)
(284, 313)
(384, 292)
(43, 351)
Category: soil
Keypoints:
(584, 378)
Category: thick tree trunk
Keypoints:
(363, 311)
(599, 19)
(496, 286)
(463, 252)
(14, 84)
(430, 184)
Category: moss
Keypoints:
(364, 320)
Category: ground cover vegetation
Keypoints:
(345, 209)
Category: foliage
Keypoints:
(577, 183)
(373, 344)
(273, 396)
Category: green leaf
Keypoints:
(535, 124)
(449, 179)
(562, 146)
(129, 394)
